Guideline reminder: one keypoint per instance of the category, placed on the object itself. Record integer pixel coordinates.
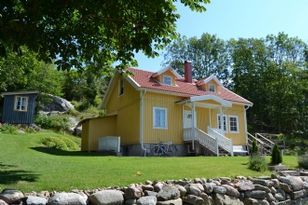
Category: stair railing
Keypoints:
(223, 142)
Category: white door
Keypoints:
(187, 119)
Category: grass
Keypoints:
(26, 165)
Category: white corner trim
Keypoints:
(223, 102)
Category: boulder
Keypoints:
(63, 198)
(296, 183)
(195, 189)
(221, 199)
(150, 193)
(256, 194)
(231, 191)
(133, 192)
(107, 197)
(219, 190)
(171, 202)
(158, 186)
(11, 196)
(264, 182)
(56, 104)
(263, 188)
(3, 202)
(208, 188)
(168, 192)
(297, 194)
(35, 200)
(147, 200)
(193, 200)
(182, 190)
(245, 185)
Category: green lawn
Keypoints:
(26, 165)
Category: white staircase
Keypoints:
(265, 145)
(213, 140)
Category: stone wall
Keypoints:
(289, 187)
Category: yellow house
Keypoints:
(165, 113)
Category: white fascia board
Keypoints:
(223, 102)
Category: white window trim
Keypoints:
(166, 118)
(119, 87)
(237, 124)
(226, 117)
(214, 86)
(167, 76)
(26, 104)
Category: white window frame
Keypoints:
(226, 120)
(213, 86)
(166, 118)
(120, 86)
(237, 124)
(24, 99)
(169, 77)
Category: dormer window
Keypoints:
(212, 88)
(167, 80)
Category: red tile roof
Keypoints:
(182, 88)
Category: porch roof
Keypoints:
(198, 99)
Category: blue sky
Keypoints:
(239, 18)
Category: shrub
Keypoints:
(276, 155)
(303, 161)
(30, 130)
(8, 129)
(255, 148)
(56, 122)
(59, 142)
(257, 163)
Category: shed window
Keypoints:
(160, 118)
(21, 103)
(167, 80)
(121, 87)
(224, 123)
(212, 88)
(233, 123)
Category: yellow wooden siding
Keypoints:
(174, 131)
(99, 127)
(167, 73)
(127, 109)
(202, 118)
(238, 110)
(85, 136)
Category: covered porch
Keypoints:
(204, 122)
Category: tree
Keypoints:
(276, 157)
(96, 33)
(208, 55)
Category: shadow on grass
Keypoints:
(9, 174)
(59, 152)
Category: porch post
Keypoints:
(221, 119)
(193, 124)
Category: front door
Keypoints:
(187, 119)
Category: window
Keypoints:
(121, 87)
(233, 123)
(167, 80)
(212, 88)
(21, 103)
(160, 118)
(224, 122)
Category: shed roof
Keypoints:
(19, 93)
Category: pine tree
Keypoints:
(276, 155)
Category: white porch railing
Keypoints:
(203, 138)
(224, 142)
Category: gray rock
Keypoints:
(107, 197)
(252, 201)
(220, 199)
(279, 196)
(231, 191)
(195, 189)
(158, 186)
(296, 183)
(270, 197)
(208, 188)
(263, 188)
(273, 190)
(63, 198)
(130, 202)
(285, 187)
(57, 104)
(219, 190)
(11, 196)
(168, 192)
(147, 200)
(194, 200)
(171, 202)
(147, 187)
(256, 194)
(150, 193)
(297, 194)
(263, 182)
(133, 192)
(276, 183)
(245, 185)
(35, 200)
(3, 202)
(182, 190)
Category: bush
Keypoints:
(8, 129)
(62, 143)
(255, 148)
(56, 122)
(303, 161)
(257, 163)
(276, 155)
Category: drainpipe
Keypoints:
(245, 119)
(142, 93)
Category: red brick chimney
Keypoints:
(188, 71)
